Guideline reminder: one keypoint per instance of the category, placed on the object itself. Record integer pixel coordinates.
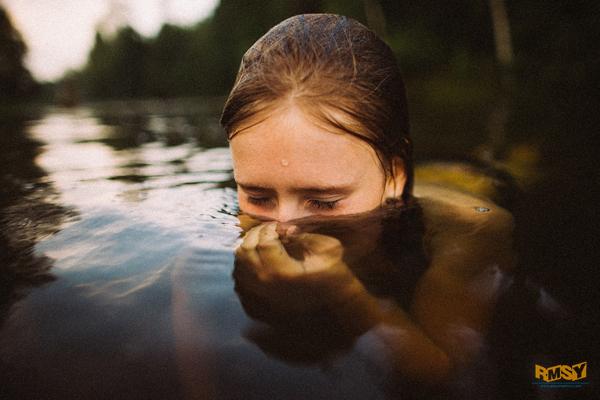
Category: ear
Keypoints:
(394, 185)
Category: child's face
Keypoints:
(286, 167)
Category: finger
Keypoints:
(321, 245)
(247, 259)
(251, 238)
(292, 230)
(272, 253)
(285, 230)
(246, 252)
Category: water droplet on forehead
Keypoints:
(284, 162)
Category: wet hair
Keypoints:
(338, 72)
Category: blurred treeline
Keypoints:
(431, 38)
(442, 42)
(428, 37)
(16, 81)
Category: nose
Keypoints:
(287, 211)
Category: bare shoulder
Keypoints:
(455, 210)
(465, 232)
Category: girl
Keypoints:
(318, 129)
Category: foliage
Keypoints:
(116, 68)
(15, 80)
(449, 45)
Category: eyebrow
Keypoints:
(314, 190)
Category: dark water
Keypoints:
(119, 226)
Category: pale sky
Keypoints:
(60, 33)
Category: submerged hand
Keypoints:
(271, 282)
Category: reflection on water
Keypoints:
(27, 214)
(119, 228)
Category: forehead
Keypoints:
(288, 145)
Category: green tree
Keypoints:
(169, 57)
(16, 81)
(115, 68)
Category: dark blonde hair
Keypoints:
(337, 71)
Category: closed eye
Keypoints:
(323, 205)
(260, 201)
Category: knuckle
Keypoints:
(265, 245)
(247, 243)
(333, 250)
(330, 246)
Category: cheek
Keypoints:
(245, 206)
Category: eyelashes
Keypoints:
(266, 202)
(260, 201)
(323, 205)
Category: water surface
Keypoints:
(130, 222)
(117, 249)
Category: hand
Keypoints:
(273, 285)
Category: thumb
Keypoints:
(272, 252)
